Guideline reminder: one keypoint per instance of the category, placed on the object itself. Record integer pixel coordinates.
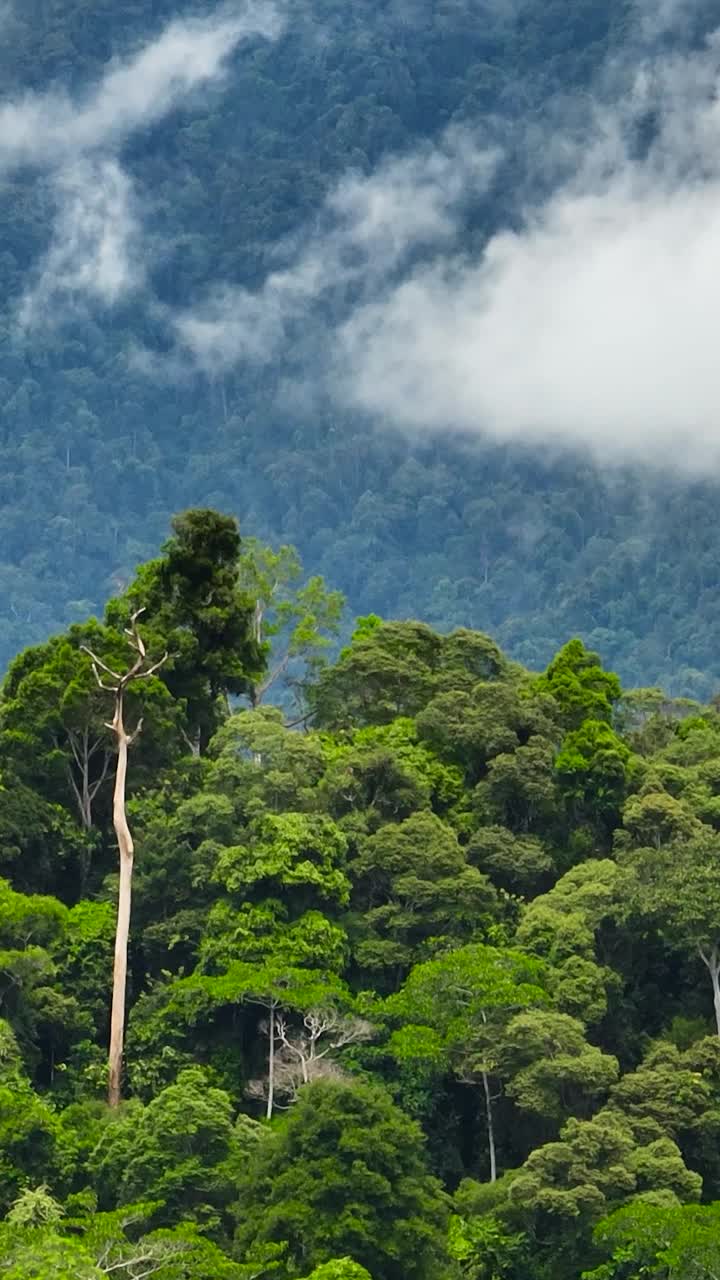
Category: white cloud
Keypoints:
(96, 251)
(41, 129)
(598, 327)
(367, 229)
(95, 241)
(657, 18)
(595, 326)
(590, 326)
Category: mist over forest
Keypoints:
(426, 290)
(360, 697)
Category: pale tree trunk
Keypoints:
(86, 802)
(85, 791)
(193, 744)
(82, 796)
(140, 670)
(271, 1063)
(79, 747)
(490, 1126)
(255, 693)
(489, 1115)
(711, 960)
(126, 850)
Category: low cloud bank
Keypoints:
(40, 129)
(590, 325)
(96, 252)
(593, 326)
(367, 230)
(93, 254)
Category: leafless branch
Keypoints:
(302, 1057)
(76, 789)
(274, 675)
(151, 1261)
(98, 665)
(143, 675)
(95, 787)
(136, 732)
(74, 748)
(133, 632)
(194, 747)
(292, 724)
(136, 672)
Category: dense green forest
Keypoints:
(99, 446)
(424, 957)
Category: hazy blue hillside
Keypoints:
(203, 209)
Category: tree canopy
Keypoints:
(421, 982)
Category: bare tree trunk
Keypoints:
(490, 1127)
(83, 760)
(255, 691)
(271, 1063)
(79, 745)
(85, 791)
(122, 932)
(82, 796)
(86, 805)
(140, 670)
(711, 960)
(193, 744)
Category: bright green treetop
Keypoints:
(345, 1174)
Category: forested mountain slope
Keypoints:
(144, 185)
(425, 990)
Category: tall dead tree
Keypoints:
(116, 683)
(300, 1056)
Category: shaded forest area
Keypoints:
(95, 454)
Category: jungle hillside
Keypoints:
(403, 964)
(423, 289)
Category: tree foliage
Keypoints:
(417, 987)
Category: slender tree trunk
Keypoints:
(193, 744)
(82, 797)
(490, 1126)
(126, 851)
(711, 960)
(86, 807)
(81, 790)
(86, 797)
(140, 670)
(271, 1063)
(255, 692)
